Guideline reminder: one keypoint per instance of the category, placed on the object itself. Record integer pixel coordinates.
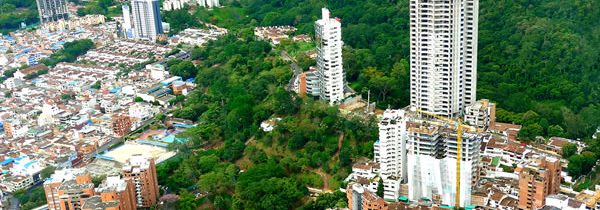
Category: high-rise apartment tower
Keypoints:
(52, 10)
(142, 172)
(127, 25)
(146, 19)
(330, 70)
(443, 55)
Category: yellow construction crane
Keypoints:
(459, 126)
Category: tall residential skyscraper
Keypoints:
(146, 19)
(443, 54)
(127, 26)
(330, 70)
(142, 172)
(52, 10)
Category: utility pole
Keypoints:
(368, 101)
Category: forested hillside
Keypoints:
(13, 12)
(538, 59)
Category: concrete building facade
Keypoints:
(52, 10)
(481, 114)
(127, 25)
(147, 23)
(422, 153)
(443, 54)
(537, 181)
(330, 70)
(142, 172)
(116, 189)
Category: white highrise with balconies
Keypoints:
(443, 54)
(147, 23)
(330, 70)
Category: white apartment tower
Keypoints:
(443, 54)
(127, 26)
(52, 10)
(431, 162)
(330, 70)
(390, 150)
(146, 19)
(209, 3)
(422, 153)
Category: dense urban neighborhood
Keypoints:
(299, 104)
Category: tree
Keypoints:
(555, 130)
(66, 97)
(530, 131)
(272, 193)
(234, 150)
(346, 155)
(97, 85)
(327, 201)
(215, 183)
(47, 172)
(569, 150)
(380, 188)
(184, 69)
(581, 164)
(187, 201)
(284, 103)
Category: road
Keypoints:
(14, 203)
(296, 70)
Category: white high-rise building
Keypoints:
(146, 19)
(443, 54)
(330, 70)
(431, 160)
(422, 150)
(52, 10)
(390, 152)
(422, 153)
(209, 3)
(127, 26)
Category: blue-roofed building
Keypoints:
(24, 166)
(115, 90)
(7, 161)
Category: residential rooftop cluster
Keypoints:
(135, 186)
(275, 34)
(125, 53)
(499, 171)
(64, 117)
(29, 47)
(197, 37)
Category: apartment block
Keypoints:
(121, 125)
(147, 23)
(443, 55)
(481, 114)
(330, 70)
(115, 189)
(142, 172)
(72, 193)
(537, 181)
(52, 185)
(422, 153)
(73, 189)
(52, 10)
